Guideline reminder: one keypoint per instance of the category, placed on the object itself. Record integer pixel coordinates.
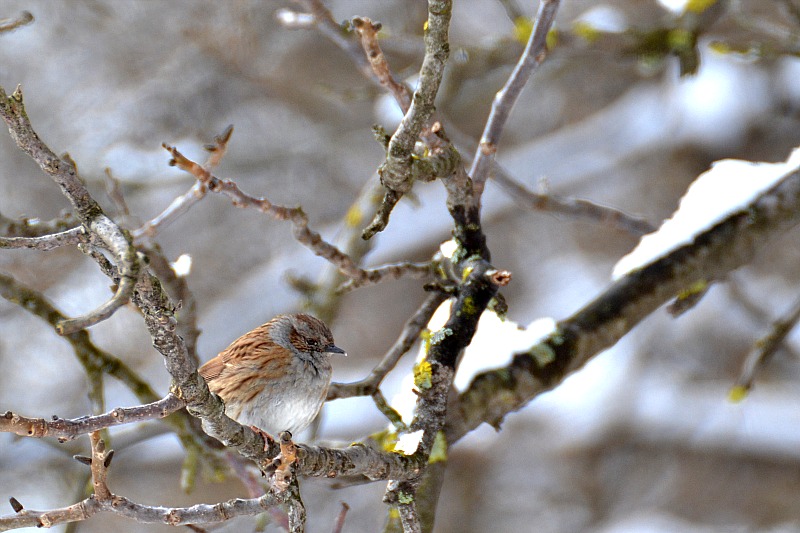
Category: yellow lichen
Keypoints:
(698, 6)
(354, 217)
(737, 393)
(386, 439)
(586, 31)
(468, 305)
(552, 38)
(680, 39)
(405, 498)
(423, 375)
(426, 336)
(543, 354)
(695, 288)
(523, 27)
(439, 449)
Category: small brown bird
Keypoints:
(276, 376)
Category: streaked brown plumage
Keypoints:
(276, 376)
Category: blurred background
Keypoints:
(641, 440)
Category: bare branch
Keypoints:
(373, 276)
(402, 345)
(534, 54)
(178, 207)
(764, 349)
(23, 19)
(197, 192)
(65, 174)
(33, 227)
(334, 31)
(601, 323)
(121, 297)
(338, 526)
(46, 242)
(396, 172)
(368, 34)
(101, 460)
(302, 233)
(573, 207)
(114, 193)
(66, 429)
(146, 514)
(381, 218)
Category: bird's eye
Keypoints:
(313, 343)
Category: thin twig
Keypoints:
(66, 429)
(145, 514)
(535, 52)
(179, 206)
(101, 460)
(23, 19)
(368, 34)
(411, 331)
(765, 348)
(394, 271)
(573, 207)
(302, 233)
(197, 192)
(114, 193)
(338, 526)
(64, 172)
(334, 31)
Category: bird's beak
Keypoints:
(332, 348)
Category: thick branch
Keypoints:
(600, 324)
(46, 242)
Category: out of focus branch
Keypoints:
(33, 227)
(23, 19)
(764, 349)
(534, 54)
(572, 207)
(325, 23)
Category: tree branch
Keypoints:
(534, 54)
(46, 242)
(600, 324)
(396, 172)
(402, 345)
(88, 211)
(66, 429)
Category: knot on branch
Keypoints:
(395, 173)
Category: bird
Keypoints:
(275, 377)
